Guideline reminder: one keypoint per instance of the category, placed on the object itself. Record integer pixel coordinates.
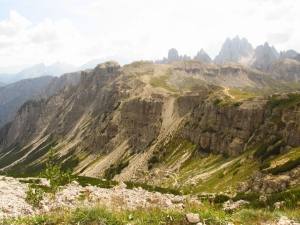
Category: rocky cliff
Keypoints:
(155, 123)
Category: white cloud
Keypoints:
(14, 25)
(136, 29)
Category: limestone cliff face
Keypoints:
(224, 129)
(230, 128)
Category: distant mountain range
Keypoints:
(55, 69)
(238, 50)
(38, 70)
(233, 50)
(12, 96)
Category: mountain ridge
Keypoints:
(149, 123)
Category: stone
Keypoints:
(75, 183)
(277, 205)
(242, 187)
(284, 221)
(192, 218)
(231, 205)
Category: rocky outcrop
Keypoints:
(286, 70)
(235, 50)
(13, 194)
(264, 55)
(264, 184)
(173, 57)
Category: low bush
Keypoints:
(289, 165)
(114, 170)
(261, 150)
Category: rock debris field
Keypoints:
(13, 194)
(71, 196)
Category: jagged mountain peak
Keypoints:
(203, 56)
(290, 54)
(235, 50)
(264, 55)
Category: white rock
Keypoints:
(192, 218)
(284, 221)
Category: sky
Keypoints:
(76, 31)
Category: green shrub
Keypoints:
(114, 170)
(153, 160)
(264, 165)
(293, 100)
(84, 181)
(131, 185)
(274, 151)
(261, 150)
(217, 101)
(53, 172)
(291, 164)
(221, 198)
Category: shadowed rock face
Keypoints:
(264, 55)
(285, 69)
(234, 50)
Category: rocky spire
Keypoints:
(234, 50)
(264, 55)
(203, 56)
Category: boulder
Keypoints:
(192, 218)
